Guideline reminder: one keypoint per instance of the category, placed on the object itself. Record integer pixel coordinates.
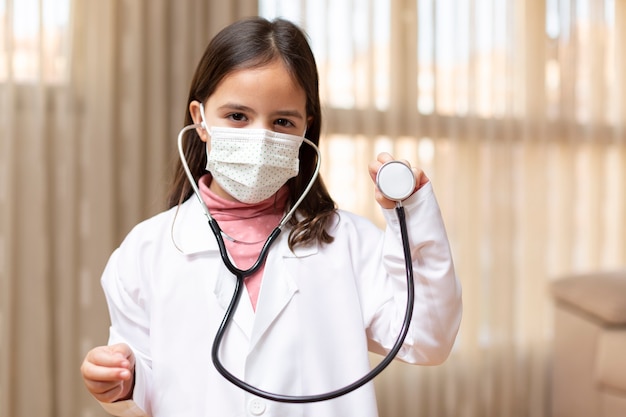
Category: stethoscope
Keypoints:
(396, 181)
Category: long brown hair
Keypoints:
(252, 43)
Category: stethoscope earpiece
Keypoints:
(203, 123)
(395, 180)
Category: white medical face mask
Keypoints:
(251, 164)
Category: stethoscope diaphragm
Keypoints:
(395, 180)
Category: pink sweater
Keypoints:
(245, 223)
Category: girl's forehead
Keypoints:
(270, 83)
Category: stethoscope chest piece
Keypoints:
(395, 180)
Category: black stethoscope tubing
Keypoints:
(400, 190)
(230, 311)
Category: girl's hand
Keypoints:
(108, 372)
(373, 167)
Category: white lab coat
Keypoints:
(318, 312)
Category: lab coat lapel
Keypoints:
(224, 290)
(277, 289)
(192, 234)
(190, 230)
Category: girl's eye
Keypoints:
(237, 117)
(284, 123)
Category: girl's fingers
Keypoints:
(115, 356)
(106, 393)
(97, 372)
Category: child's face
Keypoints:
(266, 97)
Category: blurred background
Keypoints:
(515, 109)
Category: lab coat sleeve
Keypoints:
(124, 409)
(438, 306)
(125, 289)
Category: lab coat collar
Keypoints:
(192, 234)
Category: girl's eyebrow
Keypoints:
(289, 113)
(235, 106)
(246, 109)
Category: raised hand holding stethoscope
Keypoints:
(395, 180)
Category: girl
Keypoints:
(332, 288)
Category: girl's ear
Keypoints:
(309, 120)
(196, 116)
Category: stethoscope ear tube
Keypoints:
(239, 285)
(217, 231)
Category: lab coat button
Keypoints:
(256, 407)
